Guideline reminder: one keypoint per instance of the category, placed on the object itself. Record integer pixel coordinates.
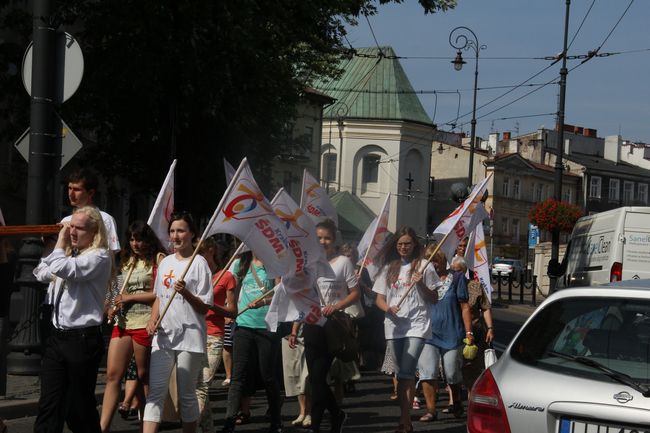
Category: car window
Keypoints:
(614, 332)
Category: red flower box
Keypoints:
(554, 215)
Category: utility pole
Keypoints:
(555, 240)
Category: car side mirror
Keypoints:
(554, 269)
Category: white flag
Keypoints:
(244, 212)
(373, 240)
(163, 208)
(299, 306)
(477, 259)
(229, 170)
(462, 221)
(301, 231)
(315, 201)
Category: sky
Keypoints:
(610, 94)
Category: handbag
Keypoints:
(341, 341)
(489, 356)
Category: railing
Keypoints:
(522, 281)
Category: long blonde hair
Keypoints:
(100, 240)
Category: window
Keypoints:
(614, 190)
(567, 193)
(642, 196)
(515, 229)
(515, 188)
(628, 192)
(504, 226)
(505, 188)
(606, 330)
(329, 167)
(370, 168)
(539, 191)
(594, 187)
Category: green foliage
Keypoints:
(197, 79)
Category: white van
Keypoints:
(608, 246)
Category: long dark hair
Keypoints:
(388, 255)
(245, 260)
(140, 230)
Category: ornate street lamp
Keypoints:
(463, 38)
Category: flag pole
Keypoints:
(259, 298)
(433, 253)
(203, 236)
(232, 259)
(124, 284)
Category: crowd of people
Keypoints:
(179, 316)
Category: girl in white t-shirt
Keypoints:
(406, 326)
(182, 335)
(337, 292)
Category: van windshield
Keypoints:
(613, 332)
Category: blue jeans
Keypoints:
(430, 359)
(407, 351)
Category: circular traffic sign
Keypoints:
(73, 67)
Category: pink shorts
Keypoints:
(139, 335)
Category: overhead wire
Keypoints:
(581, 24)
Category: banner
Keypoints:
(301, 232)
(373, 240)
(244, 212)
(299, 306)
(315, 201)
(163, 208)
(462, 221)
(477, 259)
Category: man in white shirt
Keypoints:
(78, 271)
(82, 185)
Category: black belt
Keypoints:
(77, 332)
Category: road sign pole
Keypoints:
(44, 161)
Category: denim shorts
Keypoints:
(429, 364)
(406, 351)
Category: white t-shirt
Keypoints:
(182, 328)
(111, 232)
(412, 319)
(332, 290)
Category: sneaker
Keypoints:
(298, 420)
(226, 382)
(338, 421)
(416, 403)
(306, 423)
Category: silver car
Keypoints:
(580, 363)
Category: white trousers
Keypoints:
(188, 365)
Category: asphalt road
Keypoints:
(369, 407)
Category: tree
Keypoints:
(191, 79)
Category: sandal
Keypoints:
(393, 396)
(429, 417)
(124, 410)
(448, 409)
(242, 418)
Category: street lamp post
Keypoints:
(463, 38)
